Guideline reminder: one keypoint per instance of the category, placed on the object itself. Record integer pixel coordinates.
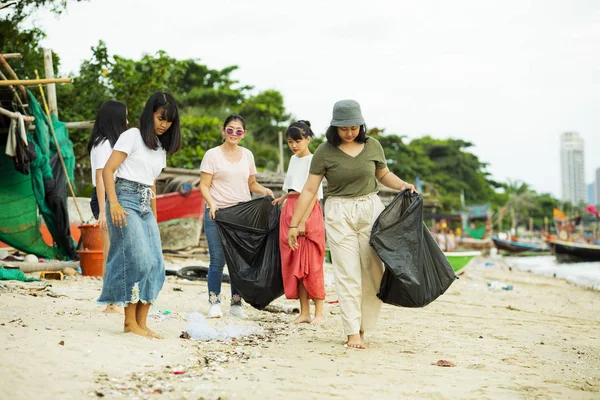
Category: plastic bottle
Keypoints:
(498, 286)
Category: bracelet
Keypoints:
(291, 227)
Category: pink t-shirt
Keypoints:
(230, 179)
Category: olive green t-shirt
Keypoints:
(349, 176)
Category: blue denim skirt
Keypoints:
(135, 269)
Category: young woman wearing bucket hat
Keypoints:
(353, 164)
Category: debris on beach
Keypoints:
(201, 328)
(444, 363)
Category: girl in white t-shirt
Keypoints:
(302, 270)
(135, 270)
(227, 176)
(111, 121)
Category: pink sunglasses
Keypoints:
(238, 132)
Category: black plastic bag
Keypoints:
(416, 270)
(250, 236)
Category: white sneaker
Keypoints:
(237, 311)
(215, 311)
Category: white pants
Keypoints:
(357, 268)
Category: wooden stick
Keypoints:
(12, 74)
(13, 115)
(51, 88)
(33, 82)
(72, 125)
(62, 160)
(9, 56)
(15, 94)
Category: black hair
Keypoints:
(234, 117)
(299, 130)
(171, 139)
(334, 139)
(111, 121)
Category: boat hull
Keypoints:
(574, 252)
(459, 260)
(517, 247)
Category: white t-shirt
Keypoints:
(99, 156)
(297, 174)
(230, 179)
(142, 164)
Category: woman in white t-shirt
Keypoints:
(111, 121)
(135, 270)
(227, 176)
(302, 270)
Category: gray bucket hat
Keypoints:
(347, 113)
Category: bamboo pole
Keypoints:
(62, 160)
(51, 88)
(33, 82)
(280, 166)
(12, 74)
(9, 56)
(13, 115)
(72, 125)
(15, 94)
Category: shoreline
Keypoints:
(539, 340)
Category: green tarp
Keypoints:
(21, 196)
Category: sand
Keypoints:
(539, 341)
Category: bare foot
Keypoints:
(302, 319)
(112, 309)
(153, 334)
(355, 342)
(362, 335)
(318, 320)
(135, 329)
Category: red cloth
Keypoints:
(306, 263)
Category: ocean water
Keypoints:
(585, 274)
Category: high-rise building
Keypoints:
(597, 198)
(572, 168)
(591, 193)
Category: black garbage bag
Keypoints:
(416, 270)
(250, 236)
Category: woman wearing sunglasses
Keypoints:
(227, 176)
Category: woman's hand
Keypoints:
(102, 221)
(302, 229)
(117, 214)
(213, 212)
(293, 238)
(278, 200)
(268, 192)
(411, 187)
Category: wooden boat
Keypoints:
(180, 218)
(468, 243)
(514, 246)
(570, 251)
(460, 259)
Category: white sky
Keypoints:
(507, 75)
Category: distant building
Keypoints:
(572, 168)
(591, 193)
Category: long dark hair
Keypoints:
(171, 139)
(299, 130)
(111, 121)
(334, 139)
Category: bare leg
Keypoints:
(110, 308)
(319, 317)
(131, 325)
(141, 316)
(355, 342)
(304, 316)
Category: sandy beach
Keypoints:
(540, 340)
